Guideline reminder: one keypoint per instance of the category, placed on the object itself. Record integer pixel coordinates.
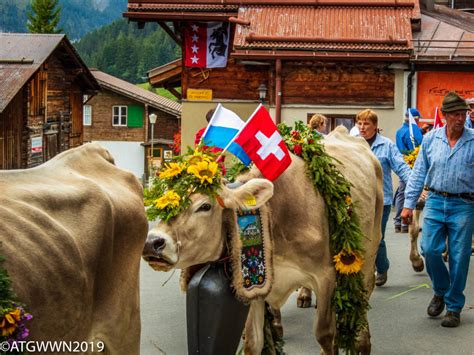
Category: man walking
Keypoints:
(470, 115)
(445, 165)
(407, 139)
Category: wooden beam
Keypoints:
(393, 3)
(170, 32)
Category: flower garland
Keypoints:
(12, 313)
(350, 297)
(410, 157)
(170, 190)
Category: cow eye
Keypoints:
(204, 207)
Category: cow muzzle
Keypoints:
(160, 252)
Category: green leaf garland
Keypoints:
(349, 301)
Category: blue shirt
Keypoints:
(441, 167)
(391, 159)
(403, 140)
(468, 123)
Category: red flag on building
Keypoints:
(206, 45)
(437, 120)
(260, 139)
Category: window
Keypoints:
(87, 115)
(335, 120)
(119, 116)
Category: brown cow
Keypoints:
(72, 232)
(299, 229)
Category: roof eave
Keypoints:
(318, 55)
(152, 103)
(181, 15)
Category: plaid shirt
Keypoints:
(441, 167)
(391, 159)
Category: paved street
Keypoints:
(398, 319)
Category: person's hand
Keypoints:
(407, 216)
(423, 195)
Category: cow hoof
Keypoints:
(303, 302)
(418, 266)
(278, 330)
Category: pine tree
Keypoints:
(44, 16)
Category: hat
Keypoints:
(470, 101)
(414, 112)
(453, 102)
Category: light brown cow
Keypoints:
(299, 229)
(72, 232)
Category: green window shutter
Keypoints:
(135, 116)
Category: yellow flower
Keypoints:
(8, 323)
(204, 171)
(172, 169)
(348, 200)
(170, 198)
(347, 263)
(198, 157)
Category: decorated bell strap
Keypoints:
(251, 254)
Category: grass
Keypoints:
(160, 91)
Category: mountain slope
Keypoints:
(122, 50)
(77, 16)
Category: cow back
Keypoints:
(72, 233)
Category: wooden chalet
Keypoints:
(118, 118)
(42, 83)
(328, 56)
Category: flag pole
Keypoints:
(238, 133)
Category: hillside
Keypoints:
(122, 50)
(78, 17)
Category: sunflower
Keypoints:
(198, 157)
(9, 322)
(170, 198)
(411, 157)
(204, 171)
(347, 263)
(172, 170)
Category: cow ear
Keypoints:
(251, 195)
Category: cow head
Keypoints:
(197, 234)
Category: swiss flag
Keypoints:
(437, 120)
(206, 45)
(263, 144)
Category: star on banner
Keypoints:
(195, 28)
(194, 48)
(195, 38)
(194, 59)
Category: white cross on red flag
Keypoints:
(259, 138)
(206, 45)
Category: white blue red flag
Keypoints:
(263, 143)
(222, 128)
(206, 45)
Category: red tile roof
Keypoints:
(331, 28)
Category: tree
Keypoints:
(44, 16)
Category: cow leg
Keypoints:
(414, 231)
(277, 321)
(253, 344)
(304, 298)
(325, 320)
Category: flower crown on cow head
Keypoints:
(170, 189)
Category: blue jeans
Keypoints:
(381, 261)
(399, 199)
(451, 218)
